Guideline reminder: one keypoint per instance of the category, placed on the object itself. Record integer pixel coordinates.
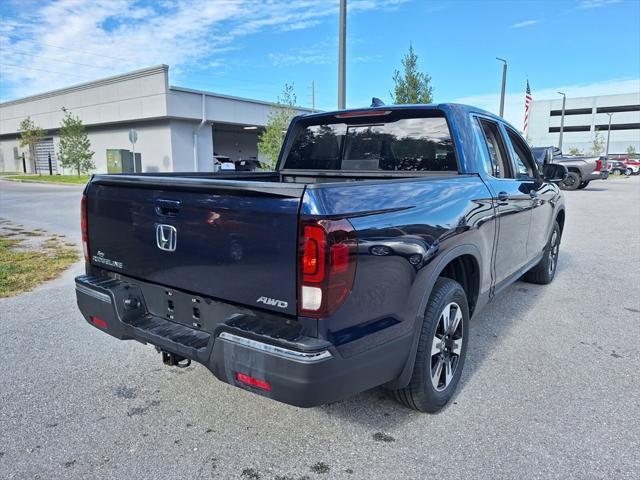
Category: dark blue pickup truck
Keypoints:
(359, 262)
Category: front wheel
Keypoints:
(544, 272)
(441, 351)
(583, 185)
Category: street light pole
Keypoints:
(608, 137)
(342, 55)
(564, 103)
(504, 84)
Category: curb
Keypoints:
(40, 182)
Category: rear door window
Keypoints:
(389, 142)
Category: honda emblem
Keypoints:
(166, 237)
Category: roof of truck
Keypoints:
(459, 107)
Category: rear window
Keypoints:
(382, 143)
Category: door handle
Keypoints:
(503, 196)
(167, 208)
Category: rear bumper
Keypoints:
(299, 370)
(595, 175)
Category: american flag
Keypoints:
(527, 105)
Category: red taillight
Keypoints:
(313, 253)
(598, 165)
(83, 227)
(98, 322)
(328, 250)
(253, 382)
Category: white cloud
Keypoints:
(525, 23)
(514, 102)
(68, 42)
(596, 3)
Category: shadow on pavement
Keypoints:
(376, 408)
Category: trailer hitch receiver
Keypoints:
(173, 360)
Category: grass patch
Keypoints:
(22, 269)
(66, 179)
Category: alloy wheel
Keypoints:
(554, 250)
(446, 346)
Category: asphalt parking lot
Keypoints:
(551, 387)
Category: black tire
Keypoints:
(572, 182)
(616, 171)
(583, 185)
(628, 172)
(545, 271)
(421, 394)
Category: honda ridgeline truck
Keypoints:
(358, 262)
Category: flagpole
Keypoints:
(527, 106)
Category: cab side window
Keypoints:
(522, 159)
(499, 167)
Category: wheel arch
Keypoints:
(560, 217)
(575, 170)
(463, 264)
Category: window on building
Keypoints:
(572, 111)
(573, 128)
(619, 126)
(618, 108)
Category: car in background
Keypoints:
(616, 167)
(581, 169)
(632, 167)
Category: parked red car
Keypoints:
(633, 167)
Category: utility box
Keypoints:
(121, 161)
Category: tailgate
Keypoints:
(221, 240)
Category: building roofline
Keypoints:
(231, 97)
(586, 97)
(94, 83)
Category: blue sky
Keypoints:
(251, 48)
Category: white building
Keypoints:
(178, 129)
(583, 118)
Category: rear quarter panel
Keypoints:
(418, 221)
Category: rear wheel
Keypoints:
(544, 272)
(441, 351)
(571, 182)
(583, 185)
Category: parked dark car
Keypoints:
(363, 258)
(581, 169)
(616, 167)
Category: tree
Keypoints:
(271, 140)
(575, 151)
(597, 145)
(631, 151)
(75, 147)
(30, 135)
(412, 86)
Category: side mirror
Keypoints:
(554, 173)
